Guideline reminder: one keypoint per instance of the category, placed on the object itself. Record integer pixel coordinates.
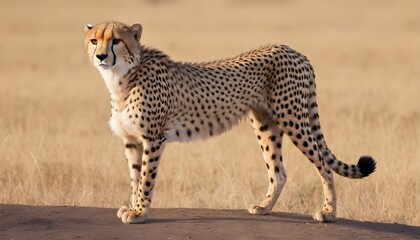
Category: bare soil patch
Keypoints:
(58, 222)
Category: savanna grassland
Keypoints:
(56, 147)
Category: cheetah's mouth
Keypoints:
(105, 65)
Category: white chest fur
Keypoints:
(114, 81)
(117, 125)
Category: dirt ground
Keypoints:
(55, 222)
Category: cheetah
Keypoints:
(156, 100)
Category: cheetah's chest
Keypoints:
(122, 125)
(117, 125)
(120, 121)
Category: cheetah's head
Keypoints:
(113, 45)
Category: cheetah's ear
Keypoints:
(88, 27)
(136, 29)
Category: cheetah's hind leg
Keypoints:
(269, 137)
(304, 141)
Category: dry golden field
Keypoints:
(56, 147)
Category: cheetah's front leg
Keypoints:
(133, 154)
(142, 197)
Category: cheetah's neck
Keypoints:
(114, 80)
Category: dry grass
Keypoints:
(56, 147)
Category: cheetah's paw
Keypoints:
(324, 216)
(257, 210)
(122, 210)
(129, 215)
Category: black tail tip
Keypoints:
(367, 165)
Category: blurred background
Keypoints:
(56, 147)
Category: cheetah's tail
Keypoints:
(366, 164)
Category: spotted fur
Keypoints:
(155, 100)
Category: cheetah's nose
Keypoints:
(101, 56)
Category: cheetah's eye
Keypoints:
(94, 41)
(116, 41)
